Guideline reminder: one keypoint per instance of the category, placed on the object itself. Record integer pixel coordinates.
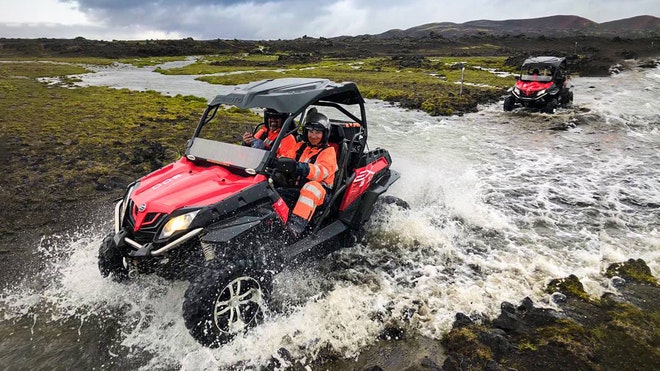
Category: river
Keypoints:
(500, 204)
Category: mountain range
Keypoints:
(553, 26)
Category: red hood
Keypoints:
(528, 87)
(183, 184)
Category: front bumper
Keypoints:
(135, 249)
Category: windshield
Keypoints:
(219, 136)
(536, 73)
(219, 139)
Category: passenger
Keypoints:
(314, 164)
(265, 137)
(535, 74)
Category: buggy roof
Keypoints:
(289, 94)
(545, 60)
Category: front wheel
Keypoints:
(111, 261)
(509, 102)
(221, 303)
(550, 106)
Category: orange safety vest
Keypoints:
(322, 162)
(269, 136)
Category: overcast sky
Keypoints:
(277, 19)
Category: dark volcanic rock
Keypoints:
(615, 332)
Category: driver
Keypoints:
(265, 137)
(314, 163)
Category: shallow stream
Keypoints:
(500, 204)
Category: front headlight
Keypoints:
(541, 92)
(179, 223)
(516, 91)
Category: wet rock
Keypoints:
(649, 64)
(428, 364)
(526, 304)
(392, 333)
(508, 319)
(633, 269)
(455, 362)
(587, 334)
(617, 281)
(558, 297)
(496, 340)
(507, 307)
(569, 286)
(462, 320)
(492, 366)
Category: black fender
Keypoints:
(230, 229)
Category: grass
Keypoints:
(429, 85)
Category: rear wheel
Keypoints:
(566, 98)
(111, 260)
(509, 102)
(221, 303)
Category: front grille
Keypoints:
(149, 228)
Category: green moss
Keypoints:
(635, 270)
(150, 61)
(635, 323)
(527, 346)
(566, 332)
(569, 286)
(465, 341)
(630, 337)
(32, 69)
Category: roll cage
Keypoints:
(544, 69)
(295, 96)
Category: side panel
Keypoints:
(362, 181)
(359, 213)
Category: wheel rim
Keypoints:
(238, 306)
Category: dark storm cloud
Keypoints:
(280, 19)
(207, 19)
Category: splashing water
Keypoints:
(500, 204)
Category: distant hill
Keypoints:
(554, 26)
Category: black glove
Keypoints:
(302, 169)
(286, 166)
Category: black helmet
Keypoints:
(271, 113)
(317, 121)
